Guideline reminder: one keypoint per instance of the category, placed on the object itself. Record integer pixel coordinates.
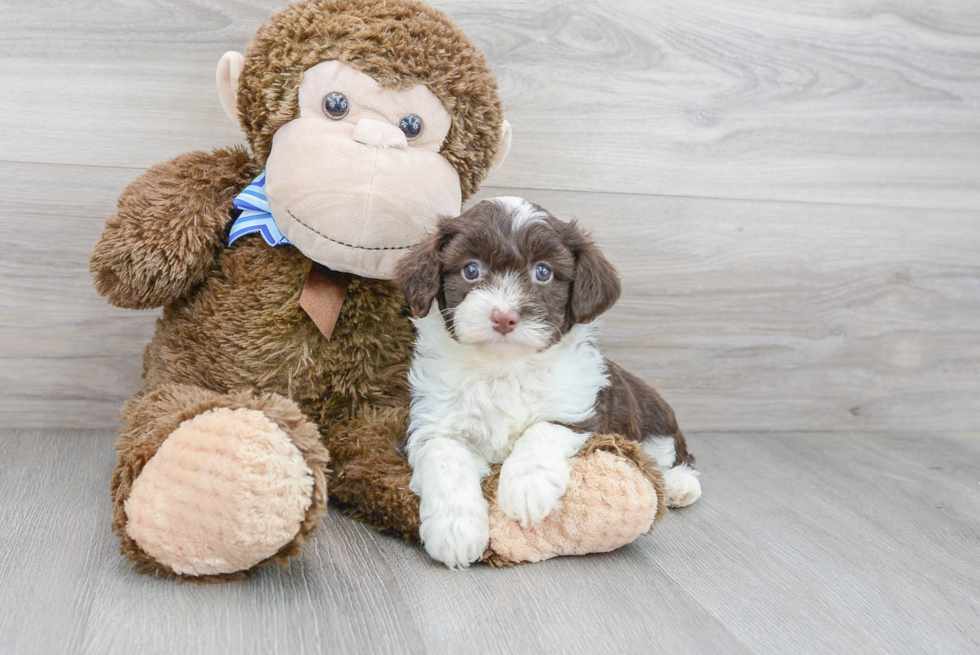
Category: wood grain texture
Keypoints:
(802, 543)
(875, 102)
(791, 193)
(746, 315)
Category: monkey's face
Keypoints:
(373, 118)
(357, 180)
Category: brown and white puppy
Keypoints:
(508, 370)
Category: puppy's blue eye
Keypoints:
(471, 271)
(542, 272)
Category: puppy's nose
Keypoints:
(379, 134)
(504, 320)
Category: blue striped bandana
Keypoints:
(255, 216)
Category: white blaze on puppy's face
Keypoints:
(503, 297)
(521, 211)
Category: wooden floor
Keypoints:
(803, 543)
(791, 192)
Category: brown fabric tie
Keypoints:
(323, 295)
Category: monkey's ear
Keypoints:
(596, 286)
(503, 147)
(419, 273)
(229, 68)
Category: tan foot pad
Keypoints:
(227, 490)
(609, 503)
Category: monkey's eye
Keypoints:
(542, 272)
(335, 105)
(411, 125)
(472, 272)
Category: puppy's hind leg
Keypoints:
(680, 479)
(683, 486)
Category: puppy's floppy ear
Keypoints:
(596, 286)
(419, 273)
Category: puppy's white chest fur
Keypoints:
(487, 400)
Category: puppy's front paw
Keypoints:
(456, 541)
(529, 492)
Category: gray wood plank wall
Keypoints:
(791, 191)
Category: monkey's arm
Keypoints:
(169, 227)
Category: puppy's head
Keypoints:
(507, 275)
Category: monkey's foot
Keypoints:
(615, 494)
(226, 490)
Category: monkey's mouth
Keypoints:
(352, 239)
(348, 245)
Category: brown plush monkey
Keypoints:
(369, 120)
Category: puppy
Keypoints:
(507, 370)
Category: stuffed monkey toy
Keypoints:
(278, 371)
